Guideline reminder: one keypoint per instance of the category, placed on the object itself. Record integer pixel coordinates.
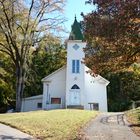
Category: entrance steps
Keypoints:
(75, 107)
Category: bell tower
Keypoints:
(75, 68)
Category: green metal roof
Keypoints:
(76, 33)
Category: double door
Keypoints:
(74, 97)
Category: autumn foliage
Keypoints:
(112, 32)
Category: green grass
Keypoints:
(133, 116)
(50, 125)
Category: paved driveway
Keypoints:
(109, 126)
(8, 133)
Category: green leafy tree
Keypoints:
(124, 88)
(50, 56)
(7, 83)
(23, 24)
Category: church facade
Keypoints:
(71, 86)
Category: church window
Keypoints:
(55, 100)
(39, 105)
(75, 87)
(75, 66)
(76, 47)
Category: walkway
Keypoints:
(109, 126)
(8, 133)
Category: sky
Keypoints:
(75, 7)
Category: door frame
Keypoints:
(74, 93)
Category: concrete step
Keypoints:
(75, 107)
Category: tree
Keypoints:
(113, 35)
(7, 83)
(50, 56)
(124, 88)
(23, 24)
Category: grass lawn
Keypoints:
(50, 125)
(133, 116)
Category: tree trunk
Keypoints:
(19, 88)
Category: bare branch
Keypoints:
(26, 29)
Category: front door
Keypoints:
(74, 97)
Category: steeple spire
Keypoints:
(76, 33)
(75, 17)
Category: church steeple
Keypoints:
(76, 33)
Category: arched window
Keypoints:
(75, 87)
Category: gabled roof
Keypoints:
(45, 79)
(76, 33)
(98, 78)
(33, 97)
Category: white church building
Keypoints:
(71, 86)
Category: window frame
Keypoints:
(75, 66)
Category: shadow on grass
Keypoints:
(4, 137)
